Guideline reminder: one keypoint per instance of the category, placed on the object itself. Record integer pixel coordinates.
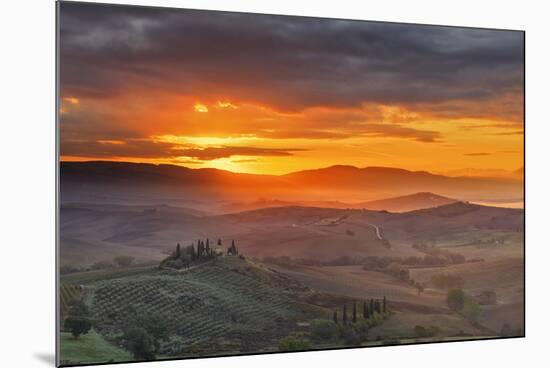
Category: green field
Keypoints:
(90, 348)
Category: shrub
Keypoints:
(350, 336)
(293, 343)
(138, 341)
(174, 263)
(101, 265)
(455, 299)
(471, 309)
(324, 329)
(375, 319)
(395, 269)
(362, 329)
(154, 325)
(422, 331)
(123, 261)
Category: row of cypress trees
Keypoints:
(203, 250)
(369, 308)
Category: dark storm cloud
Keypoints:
(358, 130)
(289, 63)
(145, 148)
(212, 153)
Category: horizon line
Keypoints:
(60, 160)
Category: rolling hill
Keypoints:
(295, 231)
(407, 203)
(228, 305)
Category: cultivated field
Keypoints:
(228, 305)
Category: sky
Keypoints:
(271, 94)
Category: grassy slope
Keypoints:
(227, 306)
(90, 348)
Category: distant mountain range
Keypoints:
(121, 182)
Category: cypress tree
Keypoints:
(335, 317)
(345, 315)
(365, 310)
(354, 312)
(377, 306)
(178, 251)
(219, 241)
(200, 249)
(384, 310)
(232, 249)
(371, 306)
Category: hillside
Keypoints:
(407, 203)
(100, 232)
(228, 305)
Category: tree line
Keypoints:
(184, 257)
(368, 310)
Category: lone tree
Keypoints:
(78, 325)
(78, 321)
(335, 317)
(219, 241)
(354, 317)
(178, 251)
(455, 299)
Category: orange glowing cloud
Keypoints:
(294, 100)
(72, 100)
(200, 107)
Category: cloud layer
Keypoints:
(130, 73)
